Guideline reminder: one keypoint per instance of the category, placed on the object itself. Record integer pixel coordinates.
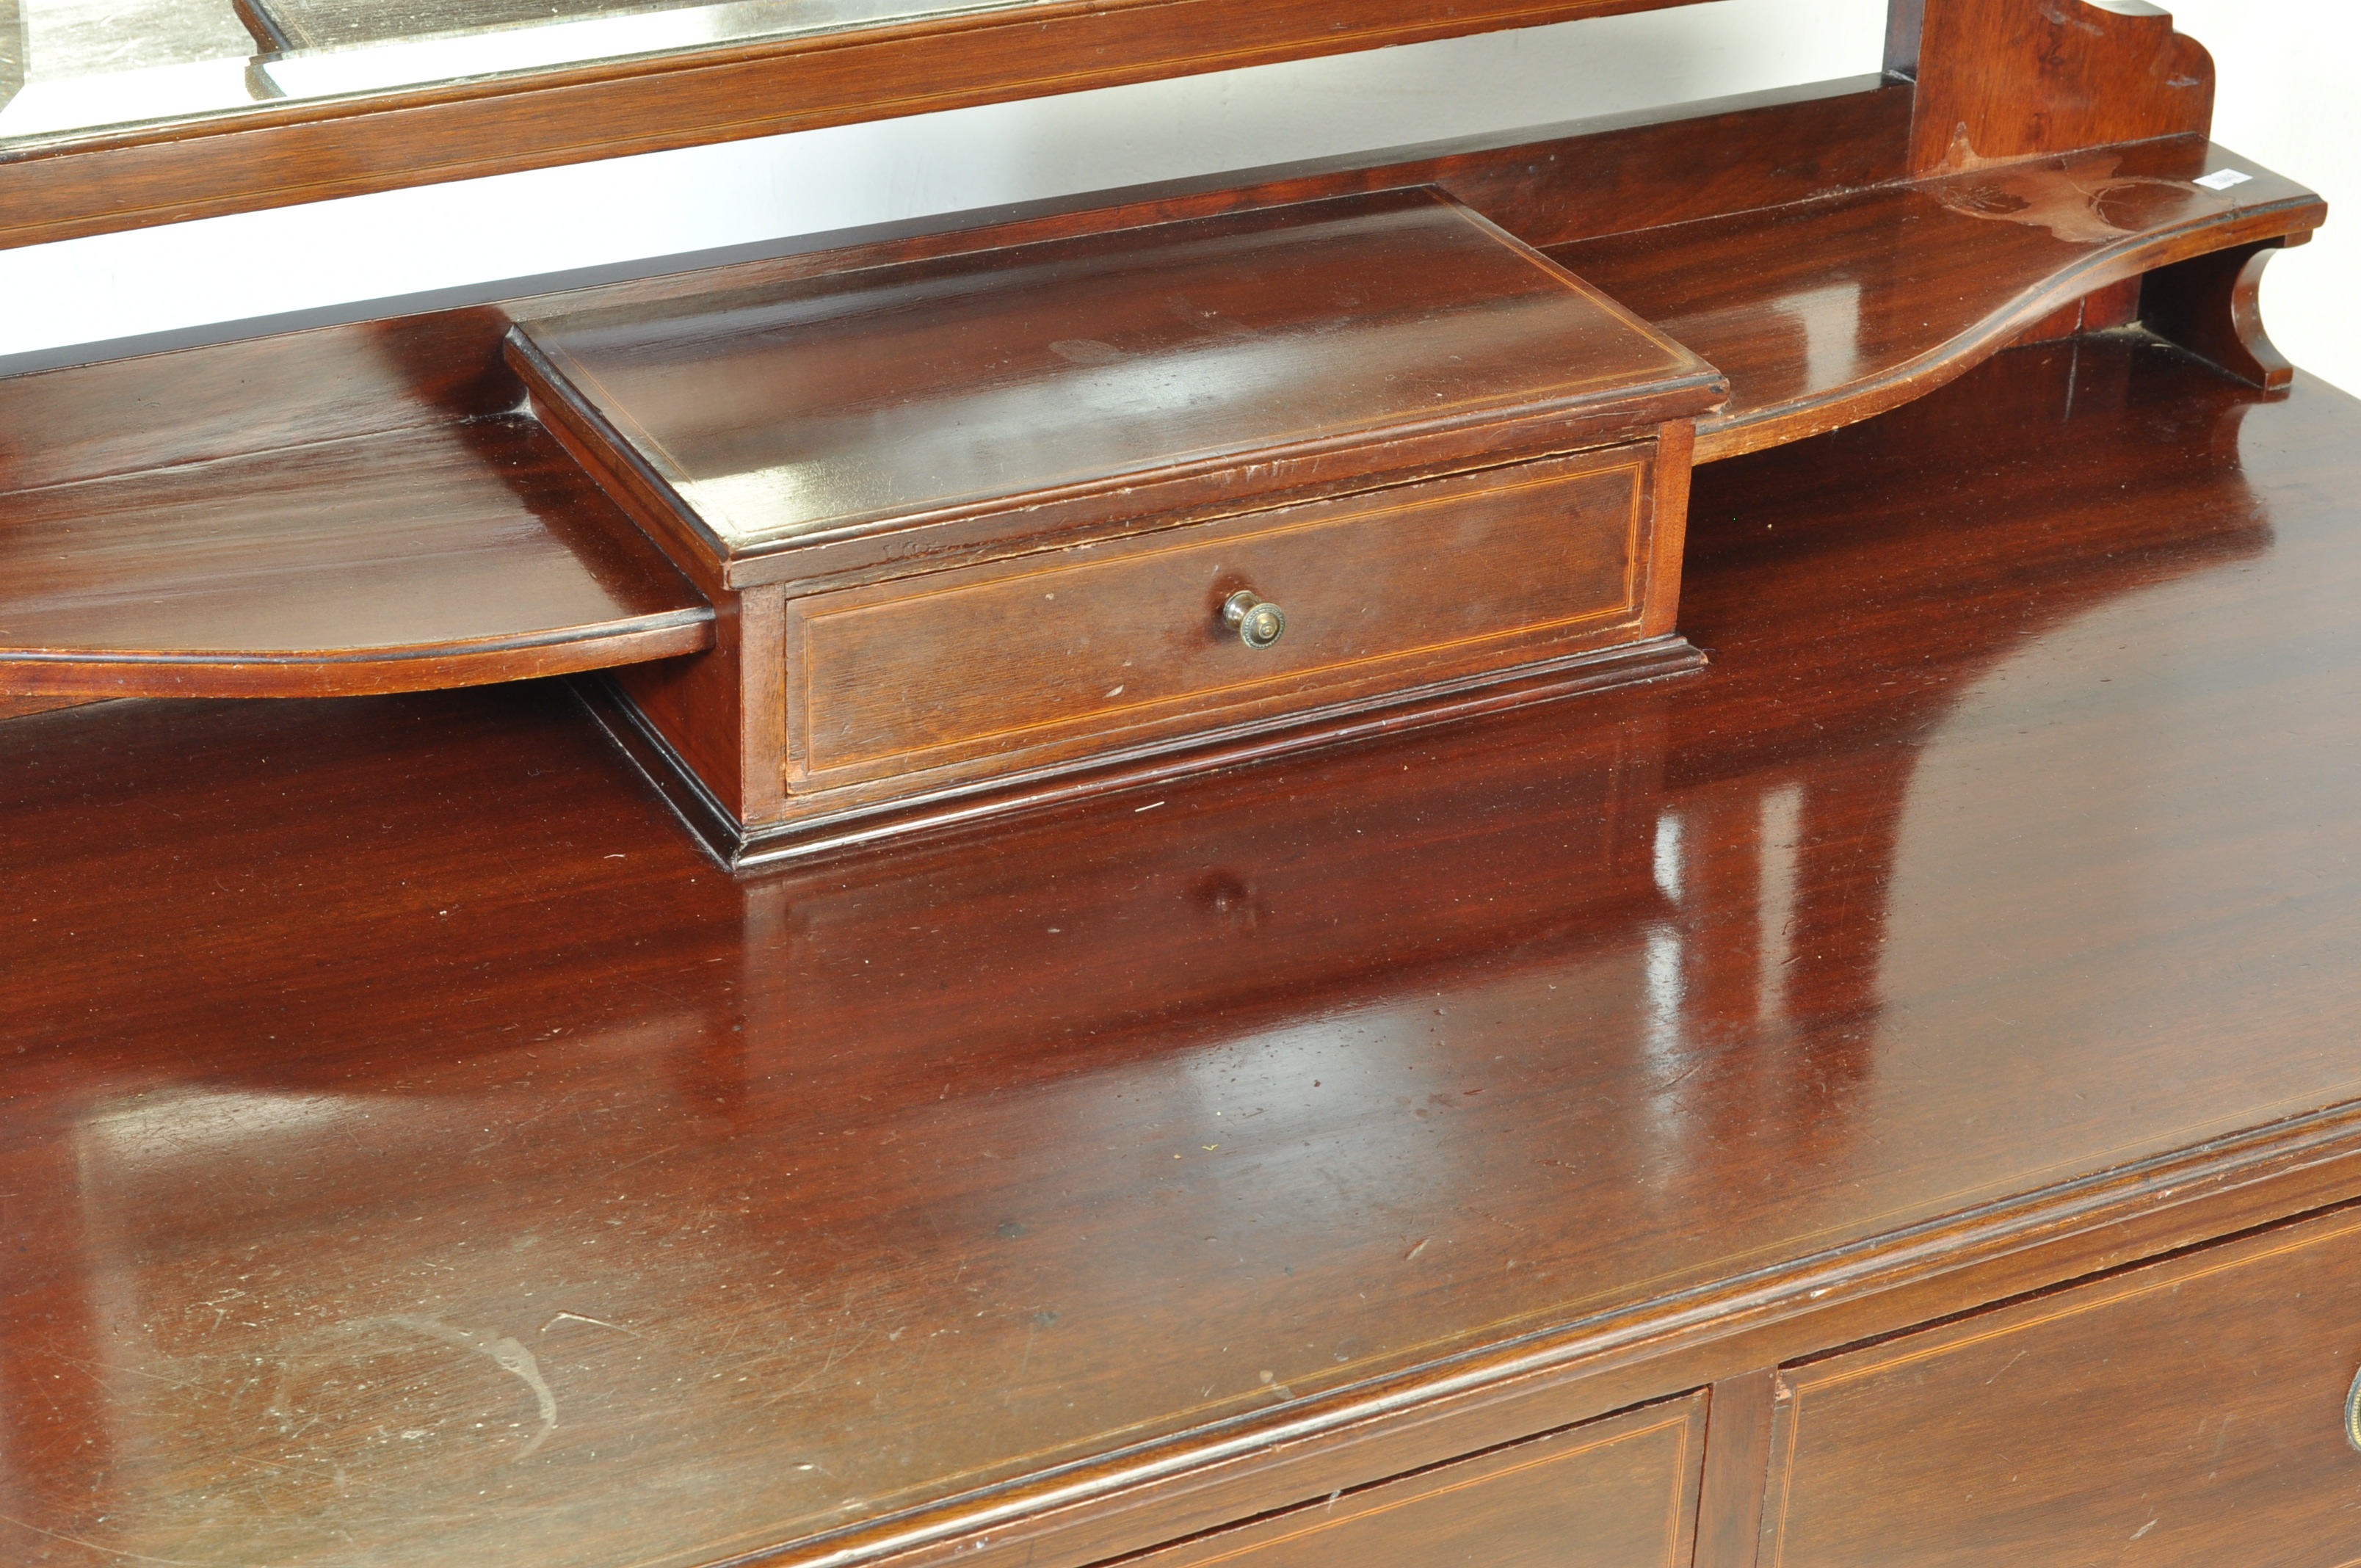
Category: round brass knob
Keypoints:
(1257, 620)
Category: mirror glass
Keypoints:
(70, 69)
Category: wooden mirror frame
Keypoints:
(280, 155)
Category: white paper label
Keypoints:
(2223, 178)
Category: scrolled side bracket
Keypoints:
(2211, 306)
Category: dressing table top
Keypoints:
(1998, 875)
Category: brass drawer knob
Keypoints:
(2353, 1413)
(1257, 620)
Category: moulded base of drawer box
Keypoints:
(742, 847)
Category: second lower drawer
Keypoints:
(1616, 1493)
(2192, 1414)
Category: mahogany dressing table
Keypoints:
(1884, 1091)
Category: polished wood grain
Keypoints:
(441, 555)
(131, 177)
(1828, 311)
(2189, 1413)
(1114, 379)
(1619, 1492)
(1982, 916)
(2002, 79)
(254, 394)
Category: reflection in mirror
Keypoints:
(283, 25)
(12, 51)
(80, 64)
(71, 67)
(330, 49)
(67, 38)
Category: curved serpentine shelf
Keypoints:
(442, 556)
(236, 521)
(1827, 311)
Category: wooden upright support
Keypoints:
(2009, 79)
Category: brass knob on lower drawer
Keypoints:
(2353, 1413)
(1257, 620)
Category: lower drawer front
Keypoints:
(2193, 1413)
(1619, 1493)
(1097, 648)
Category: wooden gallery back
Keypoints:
(1631, 844)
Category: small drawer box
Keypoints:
(1032, 519)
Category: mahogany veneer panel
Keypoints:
(442, 555)
(2194, 1413)
(1983, 915)
(1830, 310)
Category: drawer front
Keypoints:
(1614, 1493)
(2193, 1413)
(1099, 648)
